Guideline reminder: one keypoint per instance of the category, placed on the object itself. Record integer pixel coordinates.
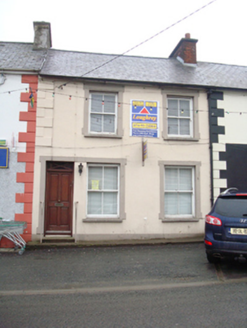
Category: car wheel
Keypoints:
(212, 259)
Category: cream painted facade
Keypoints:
(62, 136)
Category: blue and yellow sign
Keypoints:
(4, 158)
(144, 119)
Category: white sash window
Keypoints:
(103, 113)
(103, 191)
(179, 191)
(180, 115)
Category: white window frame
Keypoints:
(176, 191)
(195, 113)
(197, 215)
(118, 90)
(104, 216)
(103, 114)
(180, 117)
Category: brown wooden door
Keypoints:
(59, 198)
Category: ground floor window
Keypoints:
(103, 191)
(180, 199)
(179, 191)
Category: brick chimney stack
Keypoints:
(185, 50)
(42, 36)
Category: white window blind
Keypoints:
(179, 191)
(103, 112)
(180, 117)
(103, 190)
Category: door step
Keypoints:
(57, 240)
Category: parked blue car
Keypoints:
(226, 227)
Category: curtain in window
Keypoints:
(103, 190)
(178, 191)
(102, 113)
(179, 114)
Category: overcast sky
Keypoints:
(111, 26)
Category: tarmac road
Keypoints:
(139, 286)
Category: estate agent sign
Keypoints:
(144, 119)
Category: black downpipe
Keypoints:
(210, 148)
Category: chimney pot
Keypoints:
(187, 35)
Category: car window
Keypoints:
(231, 206)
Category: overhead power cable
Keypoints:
(145, 41)
(138, 45)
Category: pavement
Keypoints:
(104, 243)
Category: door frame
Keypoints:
(59, 166)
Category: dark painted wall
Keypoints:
(214, 113)
(236, 163)
(214, 129)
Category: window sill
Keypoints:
(101, 220)
(180, 139)
(170, 220)
(102, 135)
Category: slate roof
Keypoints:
(124, 68)
(143, 69)
(20, 56)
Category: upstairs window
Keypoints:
(103, 113)
(180, 117)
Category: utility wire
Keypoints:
(70, 97)
(145, 41)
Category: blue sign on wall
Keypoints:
(144, 119)
(4, 158)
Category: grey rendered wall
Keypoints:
(9, 187)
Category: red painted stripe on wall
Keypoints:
(24, 177)
(24, 198)
(28, 187)
(28, 157)
(26, 137)
(29, 167)
(31, 126)
(25, 96)
(28, 116)
(23, 217)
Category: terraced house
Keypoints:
(126, 147)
